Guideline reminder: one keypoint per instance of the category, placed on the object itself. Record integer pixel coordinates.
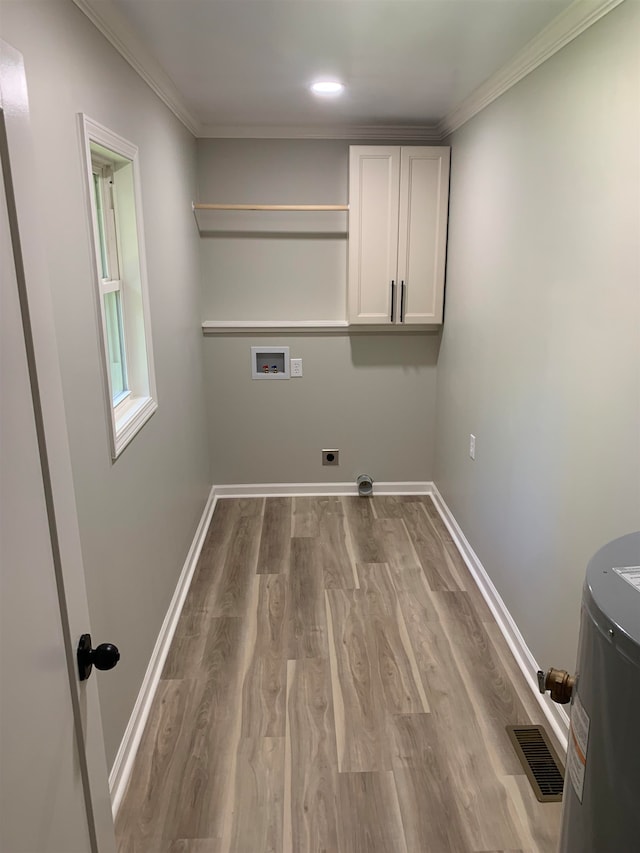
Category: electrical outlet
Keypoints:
(472, 446)
(296, 367)
(330, 457)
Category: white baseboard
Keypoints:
(269, 490)
(121, 770)
(556, 716)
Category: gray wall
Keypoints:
(540, 355)
(137, 516)
(370, 395)
(267, 266)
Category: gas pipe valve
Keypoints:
(559, 684)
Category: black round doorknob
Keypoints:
(104, 656)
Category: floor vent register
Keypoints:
(539, 761)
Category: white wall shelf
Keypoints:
(305, 208)
(328, 219)
(299, 327)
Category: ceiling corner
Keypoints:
(577, 18)
(104, 15)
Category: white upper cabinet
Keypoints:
(374, 195)
(398, 201)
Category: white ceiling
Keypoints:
(248, 63)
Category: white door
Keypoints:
(54, 794)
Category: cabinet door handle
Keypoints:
(393, 300)
(402, 302)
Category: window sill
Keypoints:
(129, 419)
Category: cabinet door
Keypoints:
(422, 242)
(374, 174)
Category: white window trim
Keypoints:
(132, 411)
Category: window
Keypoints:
(121, 282)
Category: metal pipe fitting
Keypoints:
(559, 684)
(365, 485)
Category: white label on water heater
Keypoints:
(578, 745)
(631, 574)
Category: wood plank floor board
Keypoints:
(304, 520)
(414, 595)
(306, 620)
(248, 507)
(230, 590)
(214, 551)
(338, 564)
(411, 736)
(540, 822)
(391, 506)
(308, 511)
(207, 740)
(374, 671)
(360, 520)
(140, 824)
(222, 654)
(184, 658)
(342, 689)
(197, 804)
(359, 716)
(370, 818)
(264, 687)
(439, 568)
(177, 788)
(185, 796)
(453, 559)
(394, 544)
(256, 808)
(329, 505)
(180, 845)
(220, 526)
(311, 769)
(275, 538)
(461, 746)
(430, 818)
(518, 681)
(402, 688)
(427, 797)
(485, 677)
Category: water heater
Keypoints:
(601, 812)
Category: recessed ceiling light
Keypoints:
(327, 87)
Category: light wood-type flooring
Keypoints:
(336, 683)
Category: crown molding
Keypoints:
(115, 28)
(567, 26)
(426, 133)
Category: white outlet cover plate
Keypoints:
(296, 367)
